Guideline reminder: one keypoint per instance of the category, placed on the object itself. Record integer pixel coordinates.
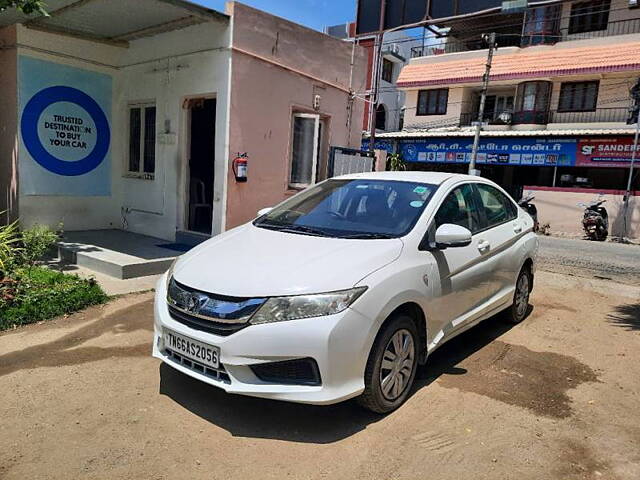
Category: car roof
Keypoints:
(433, 178)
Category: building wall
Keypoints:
(559, 207)
(368, 44)
(165, 69)
(390, 96)
(612, 105)
(459, 103)
(620, 20)
(73, 212)
(8, 127)
(613, 101)
(158, 207)
(277, 68)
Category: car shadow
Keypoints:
(258, 418)
(444, 361)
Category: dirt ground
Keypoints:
(553, 398)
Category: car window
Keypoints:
(459, 209)
(497, 207)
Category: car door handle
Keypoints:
(483, 246)
(517, 228)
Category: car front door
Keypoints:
(502, 228)
(462, 277)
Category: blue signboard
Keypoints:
(500, 151)
(65, 129)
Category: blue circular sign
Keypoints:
(29, 126)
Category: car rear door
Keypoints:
(498, 239)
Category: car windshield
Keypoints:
(366, 209)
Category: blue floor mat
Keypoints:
(176, 247)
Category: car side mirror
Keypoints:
(452, 236)
(264, 211)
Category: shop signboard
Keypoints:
(605, 152)
(65, 133)
(527, 151)
(499, 151)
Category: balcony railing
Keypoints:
(601, 115)
(455, 45)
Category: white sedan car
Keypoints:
(342, 290)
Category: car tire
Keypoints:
(519, 309)
(387, 386)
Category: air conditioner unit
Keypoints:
(393, 48)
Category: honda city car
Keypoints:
(344, 289)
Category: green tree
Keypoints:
(25, 6)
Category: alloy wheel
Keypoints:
(397, 364)
(522, 295)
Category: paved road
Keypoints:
(584, 258)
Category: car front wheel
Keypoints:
(391, 368)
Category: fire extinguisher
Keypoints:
(240, 167)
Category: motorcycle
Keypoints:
(595, 220)
(530, 208)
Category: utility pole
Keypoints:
(491, 38)
(635, 94)
(373, 104)
(376, 67)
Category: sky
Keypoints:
(312, 13)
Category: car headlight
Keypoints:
(282, 309)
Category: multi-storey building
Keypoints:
(559, 110)
(397, 48)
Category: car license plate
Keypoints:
(192, 349)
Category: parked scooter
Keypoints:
(595, 220)
(530, 208)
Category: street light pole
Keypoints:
(483, 100)
(377, 67)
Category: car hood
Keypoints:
(254, 262)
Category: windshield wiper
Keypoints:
(270, 226)
(300, 229)
(369, 236)
(304, 230)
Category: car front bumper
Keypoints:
(339, 344)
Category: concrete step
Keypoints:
(119, 254)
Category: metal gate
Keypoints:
(343, 161)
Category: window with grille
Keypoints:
(589, 16)
(142, 139)
(433, 102)
(578, 96)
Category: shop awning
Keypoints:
(525, 63)
(114, 21)
(469, 132)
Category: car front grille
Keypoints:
(207, 312)
(208, 326)
(220, 375)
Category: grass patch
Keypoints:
(34, 294)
